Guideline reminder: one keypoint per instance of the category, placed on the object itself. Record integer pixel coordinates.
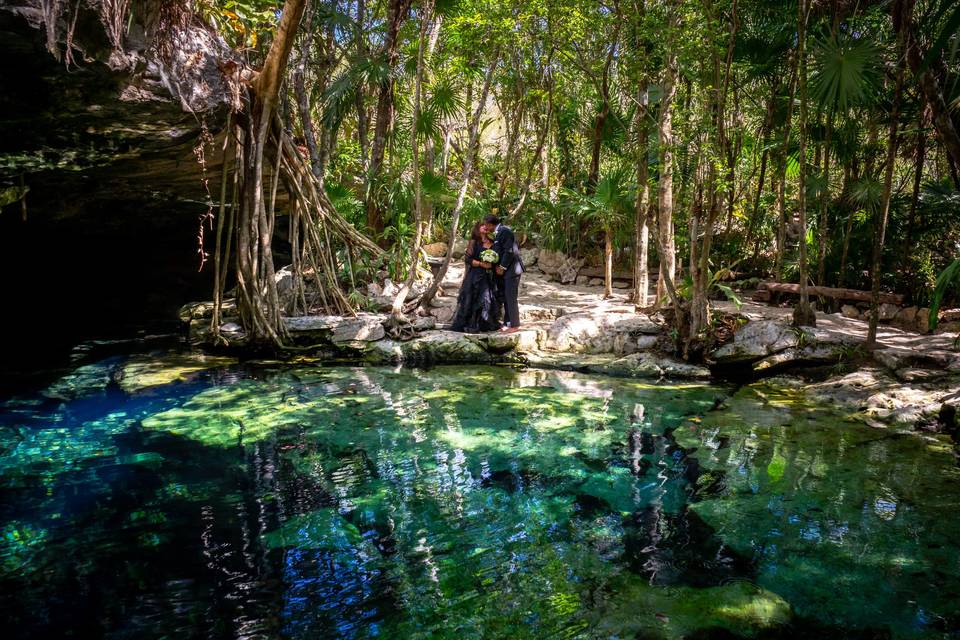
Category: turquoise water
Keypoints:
(162, 496)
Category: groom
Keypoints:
(508, 271)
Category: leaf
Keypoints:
(793, 166)
(946, 278)
(731, 295)
(951, 28)
(845, 71)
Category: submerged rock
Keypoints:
(876, 397)
(143, 372)
(648, 365)
(82, 381)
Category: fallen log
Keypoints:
(597, 272)
(765, 291)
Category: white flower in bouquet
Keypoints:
(489, 255)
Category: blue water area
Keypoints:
(173, 495)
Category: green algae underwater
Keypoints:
(181, 496)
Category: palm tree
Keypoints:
(609, 206)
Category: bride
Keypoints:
(477, 307)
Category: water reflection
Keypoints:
(464, 502)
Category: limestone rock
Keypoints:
(529, 257)
(948, 327)
(621, 284)
(204, 310)
(549, 262)
(756, 340)
(648, 365)
(596, 282)
(143, 372)
(365, 327)
(636, 365)
(769, 344)
(888, 311)
(425, 323)
(922, 321)
(907, 363)
(531, 312)
(436, 346)
(598, 332)
(880, 399)
(435, 249)
(569, 270)
(950, 315)
(501, 343)
(459, 248)
(443, 314)
(582, 281)
(81, 381)
(906, 318)
(647, 342)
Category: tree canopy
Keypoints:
(805, 141)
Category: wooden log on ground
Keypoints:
(597, 272)
(770, 288)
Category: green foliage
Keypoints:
(243, 23)
(346, 202)
(844, 71)
(715, 285)
(948, 278)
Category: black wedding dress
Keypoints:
(477, 306)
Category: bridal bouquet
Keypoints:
(489, 255)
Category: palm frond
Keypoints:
(845, 71)
(945, 280)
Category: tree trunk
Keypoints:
(782, 178)
(884, 211)
(468, 159)
(641, 283)
(753, 237)
(915, 195)
(803, 314)
(824, 201)
(541, 143)
(396, 13)
(665, 188)
(513, 135)
(932, 91)
(257, 298)
(594, 174)
(701, 231)
(607, 263)
(303, 98)
(363, 117)
(426, 17)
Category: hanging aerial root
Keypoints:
(324, 245)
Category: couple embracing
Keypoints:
(491, 280)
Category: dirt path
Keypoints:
(542, 300)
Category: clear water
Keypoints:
(150, 497)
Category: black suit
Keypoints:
(505, 244)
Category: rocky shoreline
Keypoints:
(899, 387)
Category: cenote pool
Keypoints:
(144, 496)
